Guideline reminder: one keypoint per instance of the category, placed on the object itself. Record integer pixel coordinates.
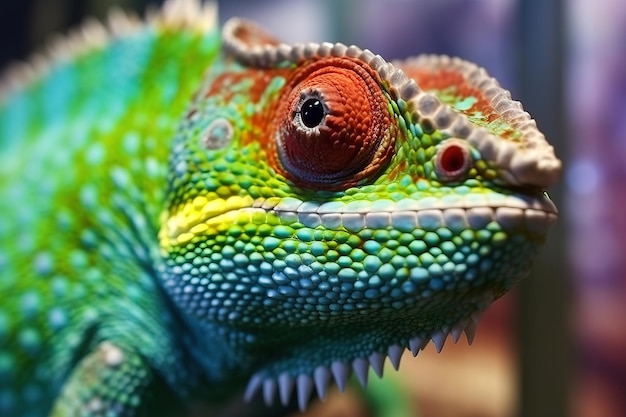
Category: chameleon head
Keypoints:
(328, 209)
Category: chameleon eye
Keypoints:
(334, 129)
(452, 160)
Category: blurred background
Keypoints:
(556, 345)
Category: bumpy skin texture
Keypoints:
(314, 210)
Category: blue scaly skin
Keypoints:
(186, 220)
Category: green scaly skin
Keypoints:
(172, 235)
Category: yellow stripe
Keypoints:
(198, 217)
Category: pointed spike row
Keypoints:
(439, 339)
(285, 387)
(321, 376)
(304, 387)
(377, 361)
(269, 390)
(361, 368)
(253, 387)
(340, 372)
(395, 354)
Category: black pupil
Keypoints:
(312, 112)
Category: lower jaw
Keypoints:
(305, 378)
(292, 375)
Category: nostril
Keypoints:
(453, 160)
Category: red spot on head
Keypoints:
(455, 82)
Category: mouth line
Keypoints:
(533, 214)
(338, 372)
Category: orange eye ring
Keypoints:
(334, 129)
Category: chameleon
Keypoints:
(195, 215)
